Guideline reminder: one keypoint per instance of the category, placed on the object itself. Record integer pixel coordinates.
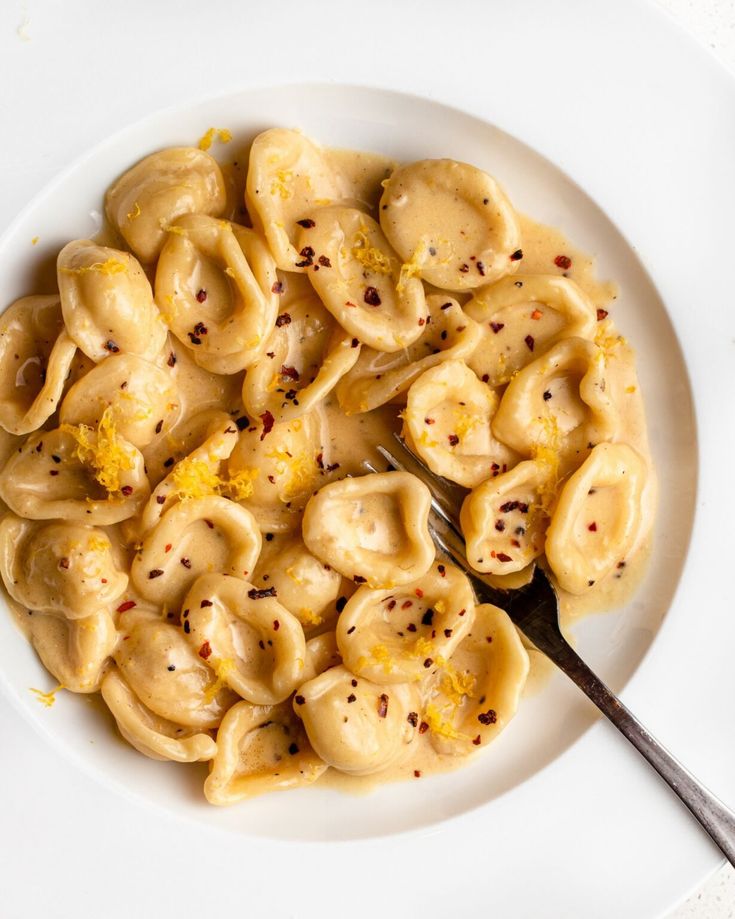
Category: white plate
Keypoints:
(586, 825)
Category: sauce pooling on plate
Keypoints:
(191, 530)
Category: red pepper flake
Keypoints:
(464, 268)
(64, 562)
(621, 565)
(428, 662)
(332, 466)
(277, 288)
(477, 741)
(515, 543)
(127, 490)
(372, 297)
(55, 458)
(307, 252)
(209, 523)
(359, 579)
(200, 329)
(276, 623)
(428, 617)
(168, 547)
(419, 593)
(293, 749)
(417, 773)
(536, 314)
(463, 610)
(481, 268)
(354, 343)
(529, 342)
(205, 651)
(124, 607)
(324, 261)
(601, 314)
(353, 682)
(283, 319)
(592, 527)
(442, 570)
(391, 605)
(429, 420)
(53, 472)
(185, 562)
(256, 594)
(453, 440)
(547, 395)
(382, 705)
(352, 698)
(488, 717)
(413, 719)
(502, 557)
(422, 321)
(171, 359)
(307, 223)
(201, 295)
(205, 603)
(423, 727)
(268, 422)
(299, 700)
(111, 346)
(320, 460)
(517, 255)
(497, 326)
(448, 633)
(289, 373)
(154, 573)
(195, 340)
(159, 426)
(411, 627)
(500, 525)
(406, 604)
(445, 306)
(563, 261)
(187, 626)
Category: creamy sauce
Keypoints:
(345, 445)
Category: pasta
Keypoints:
(196, 522)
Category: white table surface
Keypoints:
(712, 23)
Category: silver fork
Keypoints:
(534, 609)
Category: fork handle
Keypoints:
(717, 820)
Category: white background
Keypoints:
(712, 21)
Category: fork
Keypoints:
(534, 608)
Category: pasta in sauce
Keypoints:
(190, 530)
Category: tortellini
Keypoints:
(598, 517)
(150, 734)
(288, 176)
(379, 377)
(559, 402)
(36, 353)
(358, 278)
(76, 474)
(77, 651)
(373, 528)
(287, 456)
(357, 726)
(169, 677)
(304, 358)
(524, 316)
(190, 537)
(306, 586)
(164, 186)
(470, 701)
(59, 567)
(214, 285)
(451, 223)
(504, 519)
(142, 397)
(448, 423)
(107, 302)
(251, 642)
(394, 636)
(260, 748)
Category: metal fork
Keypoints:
(534, 609)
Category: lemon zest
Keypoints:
(370, 257)
(382, 655)
(109, 267)
(34, 241)
(465, 424)
(47, 699)
(102, 450)
(309, 616)
(221, 134)
(134, 214)
(422, 648)
(440, 726)
(279, 185)
(222, 668)
(413, 267)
